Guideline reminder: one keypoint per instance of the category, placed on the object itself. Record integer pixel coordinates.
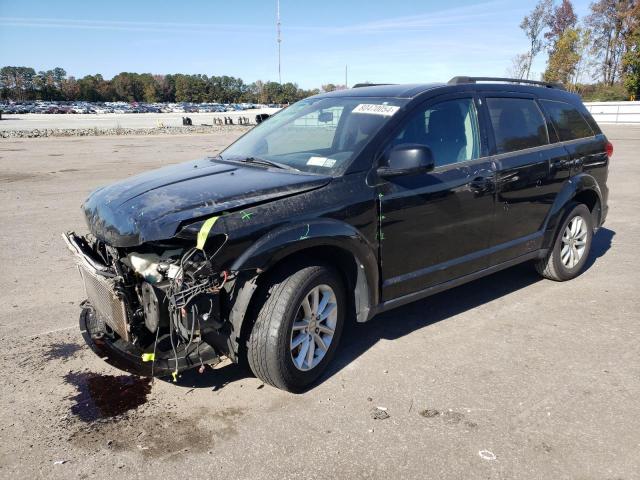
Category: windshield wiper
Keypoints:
(271, 163)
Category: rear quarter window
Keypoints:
(517, 124)
(567, 120)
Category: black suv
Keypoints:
(341, 206)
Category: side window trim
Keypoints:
(426, 104)
(551, 127)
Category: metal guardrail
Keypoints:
(615, 112)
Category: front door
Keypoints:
(436, 226)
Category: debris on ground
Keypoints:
(60, 462)
(379, 413)
(453, 417)
(429, 413)
(487, 455)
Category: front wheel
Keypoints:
(298, 327)
(566, 259)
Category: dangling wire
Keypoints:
(153, 361)
(180, 297)
(201, 369)
(175, 352)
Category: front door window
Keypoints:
(449, 129)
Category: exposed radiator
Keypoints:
(109, 308)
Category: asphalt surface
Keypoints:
(507, 377)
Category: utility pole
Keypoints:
(279, 40)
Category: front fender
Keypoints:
(294, 238)
(574, 186)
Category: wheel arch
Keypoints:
(582, 188)
(329, 241)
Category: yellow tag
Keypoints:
(148, 357)
(204, 232)
(175, 376)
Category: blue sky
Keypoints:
(396, 41)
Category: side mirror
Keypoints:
(407, 159)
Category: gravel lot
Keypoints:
(506, 377)
(32, 121)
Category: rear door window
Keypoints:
(517, 124)
(567, 120)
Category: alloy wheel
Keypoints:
(314, 327)
(574, 242)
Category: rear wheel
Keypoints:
(566, 259)
(298, 327)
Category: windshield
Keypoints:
(315, 135)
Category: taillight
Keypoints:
(609, 148)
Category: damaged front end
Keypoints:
(155, 309)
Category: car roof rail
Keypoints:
(461, 80)
(360, 85)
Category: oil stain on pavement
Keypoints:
(106, 414)
(106, 396)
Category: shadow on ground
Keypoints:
(358, 338)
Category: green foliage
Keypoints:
(602, 92)
(631, 57)
(21, 80)
(22, 83)
(604, 45)
(564, 57)
(631, 66)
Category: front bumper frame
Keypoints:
(128, 357)
(118, 351)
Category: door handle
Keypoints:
(481, 184)
(510, 177)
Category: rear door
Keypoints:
(577, 136)
(530, 172)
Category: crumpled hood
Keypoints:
(151, 206)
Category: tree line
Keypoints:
(604, 47)
(24, 84)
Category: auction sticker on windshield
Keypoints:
(321, 162)
(372, 108)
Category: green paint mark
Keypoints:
(204, 232)
(148, 357)
(245, 215)
(306, 235)
(380, 236)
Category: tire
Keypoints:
(563, 262)
(269, 351)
